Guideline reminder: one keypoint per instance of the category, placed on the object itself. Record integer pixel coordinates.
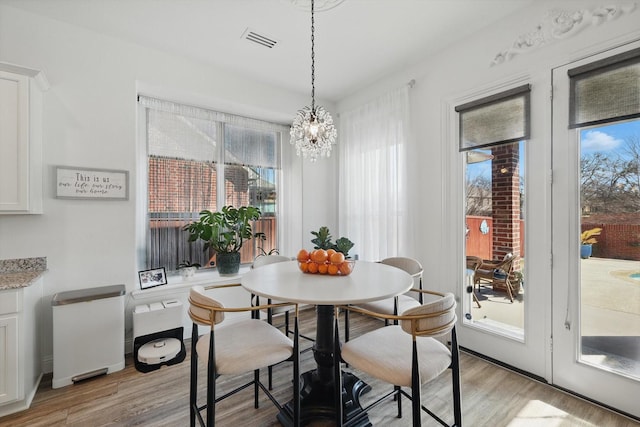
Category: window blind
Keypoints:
(186, 148)
(494, 120)
(605, 91)
(248, 142)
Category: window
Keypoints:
(493, 131)
(201, 159)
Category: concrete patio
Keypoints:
(610, 312)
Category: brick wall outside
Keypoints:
(182, 186)
(505, 190)
(616, 241)
(620, 236)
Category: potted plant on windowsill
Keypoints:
(587, 239)
(225, 232)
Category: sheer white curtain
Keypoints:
(373, 197)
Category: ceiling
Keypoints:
(357, 41)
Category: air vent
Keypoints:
(258, 38)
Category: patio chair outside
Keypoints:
(498, 274)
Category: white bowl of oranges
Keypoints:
(329, 262)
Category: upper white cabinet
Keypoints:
(21, 139)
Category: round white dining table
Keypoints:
(369, 281)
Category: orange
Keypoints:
(319, 256)
(322, 268)
(304, 267)
(312, 267)
(337, 258)
(303, 255)
(330, 252)
(345, 268)
(332, 269)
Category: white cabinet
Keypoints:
(20, 358)
(21, 139)
(8, 358)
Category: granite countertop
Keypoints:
(21, 272)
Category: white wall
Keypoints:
(90, 121)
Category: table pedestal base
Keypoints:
(317, 401)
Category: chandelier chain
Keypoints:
(313, 61)
(312, 131)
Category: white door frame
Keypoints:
(530, 353)
(568, 372)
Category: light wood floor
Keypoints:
(491, 396)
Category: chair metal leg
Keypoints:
(346, 325)
(455, 377)
(193, 384)
(398, 398)
(415, 388)
(286, 323)
(296, 373)
(256, 387)
(211, 383)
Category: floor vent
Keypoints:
(260, 39)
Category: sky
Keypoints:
(607, 138)
(593, 140)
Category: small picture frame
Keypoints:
(152, 278)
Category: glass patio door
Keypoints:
(596, 200)
(505, 311)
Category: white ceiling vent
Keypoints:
(261, 39)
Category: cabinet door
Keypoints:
(8, 358)
(14, 142)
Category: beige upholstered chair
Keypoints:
(266, 260)
(244, 345)
(407, 354)
(400, 303)
(275, 311)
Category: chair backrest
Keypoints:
(410, 265)
(268, 259)
(201, 307)
(508, 263)
(436, 318)
(473, 262)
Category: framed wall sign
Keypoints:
(151, 278)
(87, 183)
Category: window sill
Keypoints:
(177, 284)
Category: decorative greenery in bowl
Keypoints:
(323, 241)
(327, 257)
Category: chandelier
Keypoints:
(312, 131)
